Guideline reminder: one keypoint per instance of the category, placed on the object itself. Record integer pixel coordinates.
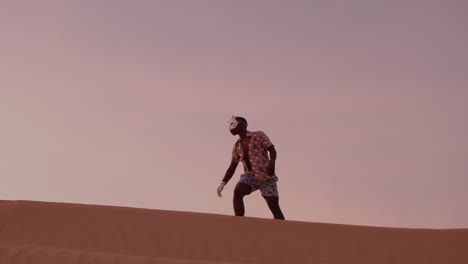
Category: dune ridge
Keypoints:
(45, 232)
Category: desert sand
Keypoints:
(62, 233)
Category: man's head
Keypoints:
(237, 125)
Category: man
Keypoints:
(252, 149)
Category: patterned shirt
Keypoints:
(258, 154)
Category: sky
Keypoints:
(126, 103)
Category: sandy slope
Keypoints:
(38, 232)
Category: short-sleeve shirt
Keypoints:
(258, 154)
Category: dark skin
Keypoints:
(243, 189)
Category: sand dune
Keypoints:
(40, 232)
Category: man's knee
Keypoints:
(239, 193)
(272, 201)
(241, 190)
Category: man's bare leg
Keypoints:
(240, 191)
(273, 204)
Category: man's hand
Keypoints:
(271, 168)
(220, 188)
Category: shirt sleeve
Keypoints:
(235, 155)
(266, 143)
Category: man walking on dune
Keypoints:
(259, 170)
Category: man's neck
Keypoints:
(243, 134)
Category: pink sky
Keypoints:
(126, 103)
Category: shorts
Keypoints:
(268, 188)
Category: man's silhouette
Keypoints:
(259, 169)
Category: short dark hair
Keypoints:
(241, 119)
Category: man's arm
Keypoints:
(266, 143)
(271, 165)
(273, 153)
(230, 171)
